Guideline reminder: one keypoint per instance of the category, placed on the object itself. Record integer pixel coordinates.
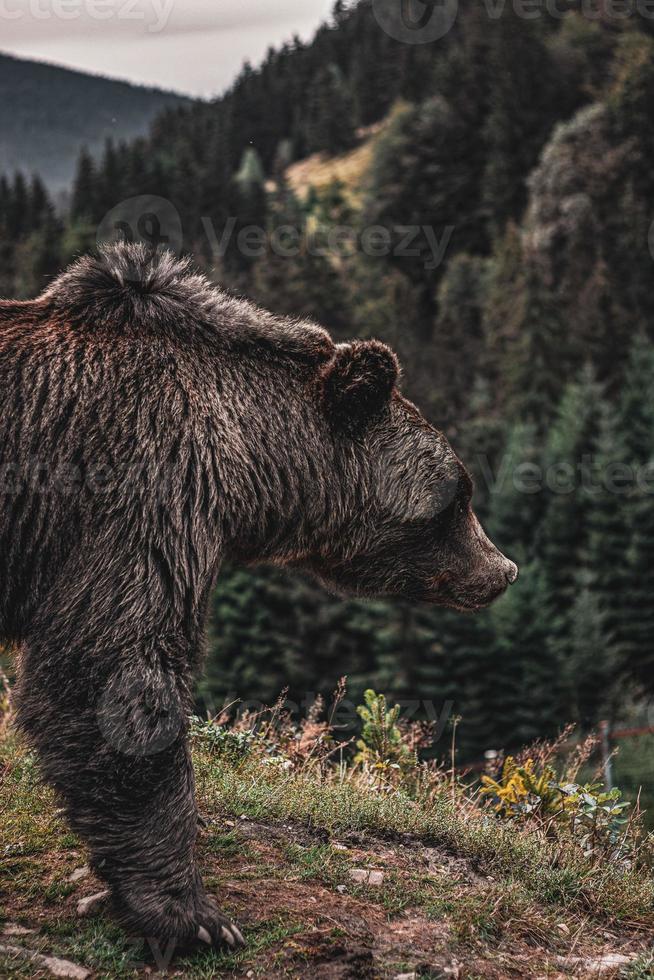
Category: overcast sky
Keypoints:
(192, 46)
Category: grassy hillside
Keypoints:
(320, 170)
(334, 872)
(47, 114)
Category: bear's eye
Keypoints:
(465, 490)
(448, 515)
(461, 502)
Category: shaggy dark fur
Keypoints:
(151, 427)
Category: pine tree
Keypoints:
(110, 184)
(627, 216)
(632, 109)
(468, 675)
(636, 409)
(38, 207)
(516, 498)
(458, 345)
(248, 205)
(568, 460)
(638, 628)
(421, 178)
(247, 661)
(636, 403)
(271, 631)
(606, 500)
(303, 281)
(481, 442)
(537, 360)
(522, 101)
(18, 210)
(330, 114)
(524, 692)
(141, 172)
(590, 669)
(7, 250)
(568, 465)
(503, 318)
(84, 202)
(376, 76)
(39, 255)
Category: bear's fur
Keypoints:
(152, 427)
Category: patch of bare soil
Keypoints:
(393, 928)
(353, 907)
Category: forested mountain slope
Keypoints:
(47, 114)
(519, 153)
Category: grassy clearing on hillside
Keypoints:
(349, 169)
(333, 871)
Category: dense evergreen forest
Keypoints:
(525, 146)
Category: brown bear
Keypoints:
(151, 428)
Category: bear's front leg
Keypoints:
(109, 724)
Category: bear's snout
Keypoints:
(495, 573)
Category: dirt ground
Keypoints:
(325, 909)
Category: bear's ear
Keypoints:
(358, 383)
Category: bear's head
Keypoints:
(414, 532)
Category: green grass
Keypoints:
(264, 937)
(282, 843)
(103, 948)
(641, 969)
(548, 872)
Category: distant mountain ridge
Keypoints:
(48, 113)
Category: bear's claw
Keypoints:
(229, 934)
(219, 931)
(238, 935)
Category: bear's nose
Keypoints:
(511, 571)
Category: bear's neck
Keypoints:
(291, 489)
